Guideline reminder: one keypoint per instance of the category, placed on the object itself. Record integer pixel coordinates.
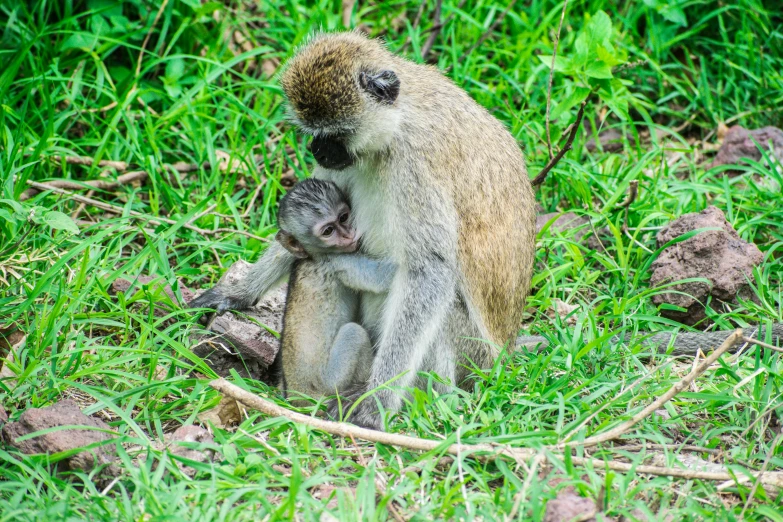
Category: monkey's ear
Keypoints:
(384, 86)
(291, 244)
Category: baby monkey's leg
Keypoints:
(350, 358)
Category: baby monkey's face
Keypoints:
(315, 219)
(334, 232)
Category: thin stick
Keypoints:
(119, 166)
(129, 177)
(551, 77)
(554, 161)
(425, 50)
(99, 184)
(147, 38)
(633, 190)
(489, 31)
(624, 427)
(519, 455)
(117, 210)
(681, 447)
(768, 346)
(773, 448)
(347, 10)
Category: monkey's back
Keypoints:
(318, 304)
(472, 154)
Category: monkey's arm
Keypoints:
(362, 273)
(683, 343)
(422, 293)
(269, 271)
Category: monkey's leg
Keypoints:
(349, 358)
(416, 315)
(269, 271)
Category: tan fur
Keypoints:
(476, 160)
(437, 181)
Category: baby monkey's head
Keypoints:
(315, 218)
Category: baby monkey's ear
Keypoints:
(384, 86)
(291, 244)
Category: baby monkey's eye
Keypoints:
(327, 231)
(343, 217)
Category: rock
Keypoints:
(719, 256)
(240, 343)
(610, 140)
(738, 146)
(3, 416)
(569, 221)
(237, 341)
(569, 506)
(189, 434)
(63, 413)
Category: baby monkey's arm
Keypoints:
(362, 273)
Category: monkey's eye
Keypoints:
(327, 231)
(343, 217)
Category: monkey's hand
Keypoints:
(365, 414)
(221, 303)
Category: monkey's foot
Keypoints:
(214, 298)
(365, 414)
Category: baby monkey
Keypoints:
(323, 349)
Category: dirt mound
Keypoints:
(719, 256)
(63, 413)
(739, 146)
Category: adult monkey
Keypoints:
(437, 185)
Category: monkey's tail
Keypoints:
(683, 343)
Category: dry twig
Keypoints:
(489, 31)
(624, 427)
(347, 10)
(768, 346)
(100, 184)
(633, 191)
(551, 77)
(147, 37)
(519, 455)
(554, 161)
(436, 27)
(124, 179)
(132, 213)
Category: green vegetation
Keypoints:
(102, 79)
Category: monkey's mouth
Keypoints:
(330, 152)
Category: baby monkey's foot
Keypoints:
(365, 414)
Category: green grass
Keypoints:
(195, 99)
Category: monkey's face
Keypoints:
(336, 233)
(341, 90)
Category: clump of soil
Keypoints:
(190, 435)
(719, 256)
(739, 146)
(570, 506)
(63, 413)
